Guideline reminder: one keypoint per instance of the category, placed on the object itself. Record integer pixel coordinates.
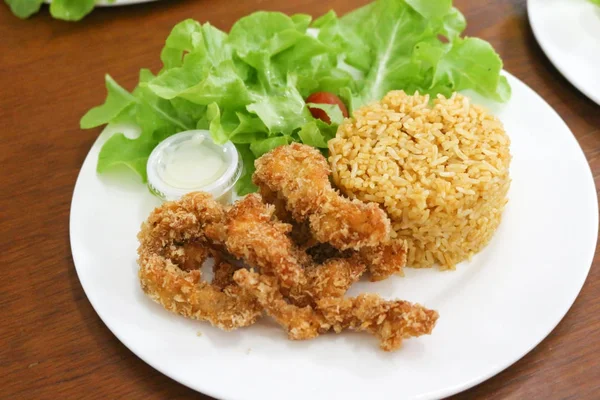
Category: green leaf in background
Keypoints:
(217, 128)
(453, 24)
(116, 101)
(471, 64)
(249, 129)
(244, 184)
(431, 10)
(392, 31)
(256, 46)
(312, 136)
(133, 153)
(71, 10)
(24, 8)
(250, 86)
(184, 38)
(202, 85)
(345, 39)
(282, 110)
(302, 21)
(206, 41)
(262, 146)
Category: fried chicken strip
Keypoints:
(252, 233)
(172, 248)
(177, 223)
(301, 323)
(385, 260)
(381, 261)
(295, 179)
(298, 176)
(184, 293)
(333, 278)
(389, 321)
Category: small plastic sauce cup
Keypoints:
(163, 184)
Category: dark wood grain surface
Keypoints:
(52, 343)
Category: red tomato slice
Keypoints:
(325, 98)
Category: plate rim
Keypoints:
(542, 42)
(118, 3)
(440, 393)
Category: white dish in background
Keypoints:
(493, 310)
(568, 31)
(107, 3)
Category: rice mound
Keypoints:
(440, 170)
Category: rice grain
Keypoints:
(440, 170)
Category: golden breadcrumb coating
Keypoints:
(303, 290)
(385, 260)
(298, 176)
(300, 323)
(295, 179)
(184, 293)
(177, 228)
(253, 234)
(389, 321)
(330, 279)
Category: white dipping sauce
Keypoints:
(191, 164)
(191, 161)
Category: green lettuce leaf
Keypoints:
(260, 36)
(244, 185)
(68, 10)
(133, 153)
(249, 129)
(249, 86)
(262, 146)
(116, 101)
(184, 38)
(219, 126)
(282, 110)
(471, 64)
(71, 10)
(311, 135)
(24, 8)
(396, 45)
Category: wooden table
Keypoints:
(52, 343)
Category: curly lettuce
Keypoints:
(249, 85)
(68, 10)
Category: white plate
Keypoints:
(568, 31)
(493, 310)
(106, 3)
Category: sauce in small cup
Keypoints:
(191, 161)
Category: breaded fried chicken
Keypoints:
(301, 323)
(252, 233)
(302, 290)
(173, 246)
(389, 321)
(295, 179)
(333, 278)
(298, 176)
(184, 293)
